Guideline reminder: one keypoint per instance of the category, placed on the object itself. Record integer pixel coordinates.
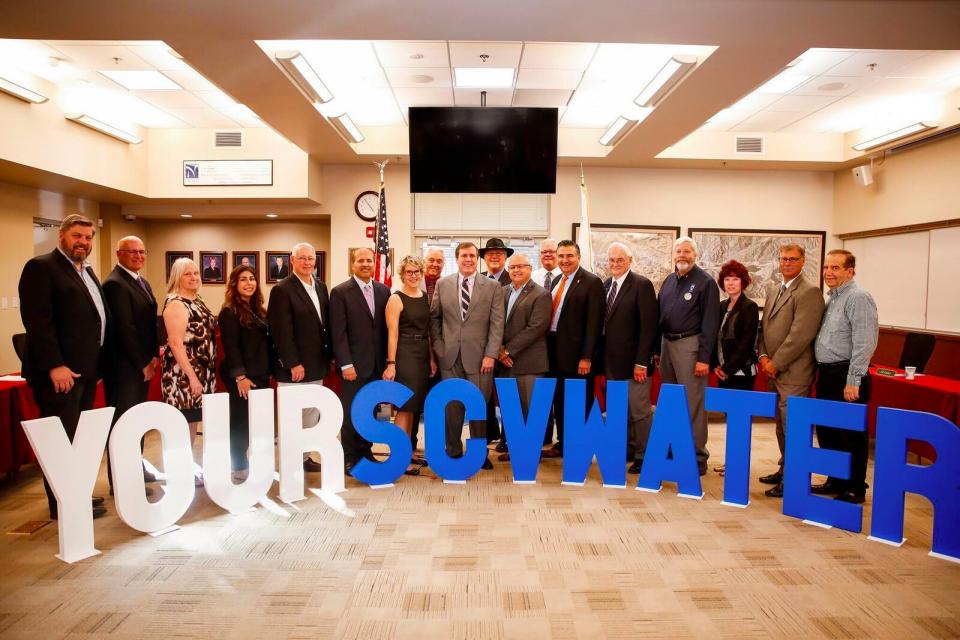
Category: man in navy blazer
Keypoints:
(358, 331)
(63, 311)
(299, 318)
(133, 335)
(629, 337)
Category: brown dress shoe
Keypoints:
(774, 478)
(504, 457)
(774, 492)
(311, 466)
(551, 453)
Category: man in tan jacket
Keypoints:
(791, 318)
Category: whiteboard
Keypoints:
(459, 212)
(894, 270)
(943, 297)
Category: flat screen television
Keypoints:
(483, 150)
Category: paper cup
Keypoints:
(911, 372)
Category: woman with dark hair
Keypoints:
(246, 357)
(734, 361)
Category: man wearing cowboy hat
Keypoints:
(495, 254)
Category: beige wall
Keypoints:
(921, 185)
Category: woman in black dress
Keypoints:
(410, 359)
(246, 357)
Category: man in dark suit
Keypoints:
(279, 270)
(629, 335)
(523, 354)
(133, 335)
(575, 327)
(358, 331)
(495, 254)
(66, 319)
(299, 314)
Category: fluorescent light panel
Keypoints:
(303, 76)
(894, 135)
(347, 128)
(666, 79)
(17, 91)
(484, 77)
(616, 131)
(784, 82)
(103, 127)
(138, 80)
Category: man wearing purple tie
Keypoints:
(358, 331)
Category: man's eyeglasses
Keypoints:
(139, 252)
(790, 259)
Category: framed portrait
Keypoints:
(173, 256)
(278, 265)
(759, 251)
(248, 258)
(212, 267)
(350, 251)
(651, 246)
(320, 267)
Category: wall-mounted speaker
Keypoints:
(863, 175)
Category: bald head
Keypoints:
(519, 269)
(131, 253)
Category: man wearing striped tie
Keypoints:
(466, 324)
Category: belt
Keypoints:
(833, 365)
(673, 337)
(414, 336)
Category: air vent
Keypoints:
(228, 139)
(749, 145)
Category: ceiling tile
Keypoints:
(101, 57)
(557, 55)
(471, 97)
(767, 121)
(204, 117)
(832, 86)
(817, 61)
(190, 79)
(171, 99)
(415, 77)
(897, 86)
(501, 54)
(433, 53)
(936, 65)
(804, 104)
(886, 63)
(541, 98)
(549, 78)
(424, 97)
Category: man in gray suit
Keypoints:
(466, 324)
(523, 354)
(791, 318)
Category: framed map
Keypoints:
(759, 251)
(651, 246)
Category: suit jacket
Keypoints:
(631, 328)
(246, 350)
(213, 274)
(300, 337)
(525, 330)
(279, 273)
(738, 337)
(789, 328)
(503, 278)
(580, 322)
(61, 319)
(133, 332)
(359, 338)
(477, 336)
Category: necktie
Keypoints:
(559, 295)
(783, 287)
(493, 277)
(611, 297)
(464, 298)
(548, 280)
(368, 294)
(142, 285)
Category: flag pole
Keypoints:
(586, 248)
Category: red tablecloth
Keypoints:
(931, 394)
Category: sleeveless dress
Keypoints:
(413, 349)
(201, 345)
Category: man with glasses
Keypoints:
(134, 342)
(791, 317)
(546, 275)
(299, 317)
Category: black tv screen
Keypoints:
(483, 150)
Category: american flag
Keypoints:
(381, 243)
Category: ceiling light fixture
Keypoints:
(17, 91)
(295, 65)
(890, 136)
(186, 215)
(669, 76)
(272, 215)
(103, 127)
(615, 132)
(141, 80)
(483, 77)
(347, 128)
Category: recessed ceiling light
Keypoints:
(272, 215)
(784, 82)
(140, 80)
(421, 78)
(186, 215)
(484, 77)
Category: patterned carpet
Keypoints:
(488, 559)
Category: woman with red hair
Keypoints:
(735, 357)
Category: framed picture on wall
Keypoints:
(651, 246)
(759, 251)
(350, 251)
(278, 265)
(320, 267)
(212, 267)
(173, 256)
(247, 258)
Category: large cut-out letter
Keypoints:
(525, 433)
(475, 408)
(671, 433)
(295, 439)
(364, 403)
(740, 407)
(585, 438)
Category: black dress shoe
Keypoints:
(850, 496)
(148, 477)
(96, 501)
(487, 464)
(635, 467)
(98, 512)
(774, 492)
(501, 447)
(826, 488)
(311, 465)
(774, 478)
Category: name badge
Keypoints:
(688, 296)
